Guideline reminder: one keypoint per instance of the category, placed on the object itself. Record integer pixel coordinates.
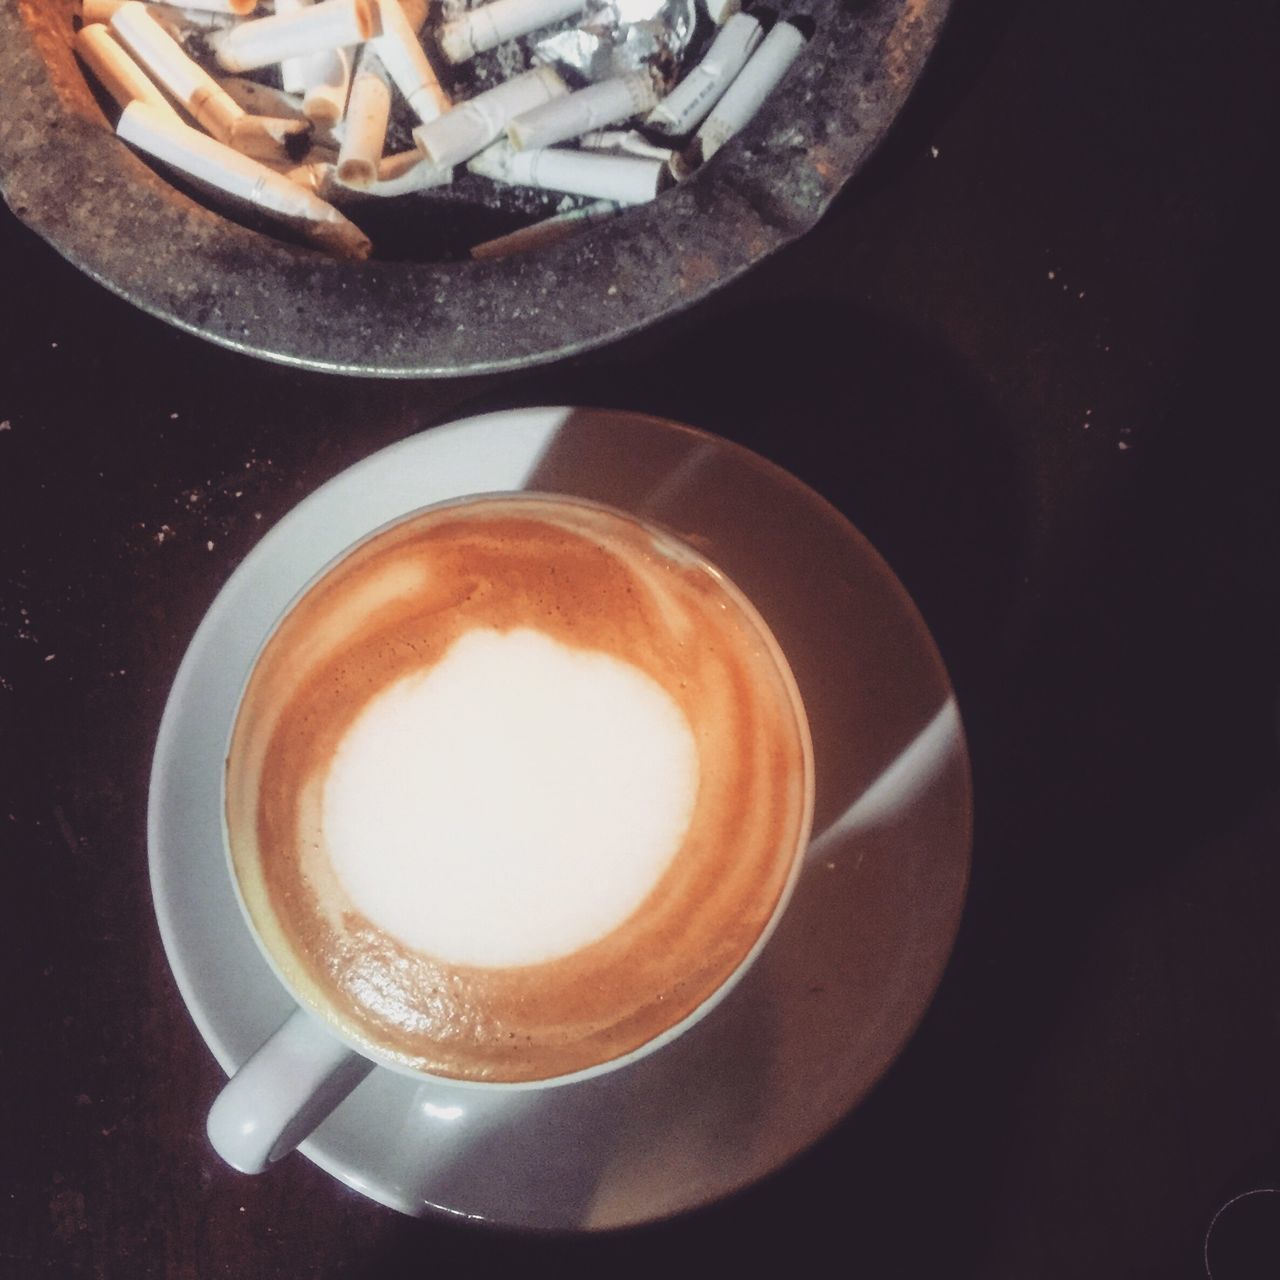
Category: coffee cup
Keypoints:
(517, 790)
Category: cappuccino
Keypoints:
(515, 787)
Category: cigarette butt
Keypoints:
(548, 231)
(424, 176)
(401, 52)
(493, 24)
(94, 11)
(692, 100)
(206, 100)
(368, 112)
(622, 179)
(260, 42)
(238, 8)
(169, 15)
(415, 13)
(326, 81)
(402, 174)
(471, 126)
(320, 80)
(217, 167)
(184, 79)
(398, 175)
(746, 94)
(292, 70)
(118, 74)
(594, 107)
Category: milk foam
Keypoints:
(511, 804)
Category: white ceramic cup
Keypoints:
(306, 1067)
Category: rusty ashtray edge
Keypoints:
(65, 174)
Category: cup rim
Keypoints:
(361, 1045)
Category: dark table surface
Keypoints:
(1030, 354)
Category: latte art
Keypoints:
(514, 788)
(512, 804)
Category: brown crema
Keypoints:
(589, 578)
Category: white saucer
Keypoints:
(840, 987)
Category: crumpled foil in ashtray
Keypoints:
(618, 36)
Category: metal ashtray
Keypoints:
(67, 176)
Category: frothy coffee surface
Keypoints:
(514, 788)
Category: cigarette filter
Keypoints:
(237, 8)
(402, 174)
(493, 24)
(472, 125)
(217, 167)
(188, 82)
(624, 179)
(594, 107)
(415, 12)
(401, 53)
(368, 112)
(326, 79)
(260, 42)
(172, 17)
(398, 175)
(753, 84)
(118, 74)
(292, 70)
(691, 101)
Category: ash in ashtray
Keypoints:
(364, 126)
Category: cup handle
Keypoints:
(282, 1093)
